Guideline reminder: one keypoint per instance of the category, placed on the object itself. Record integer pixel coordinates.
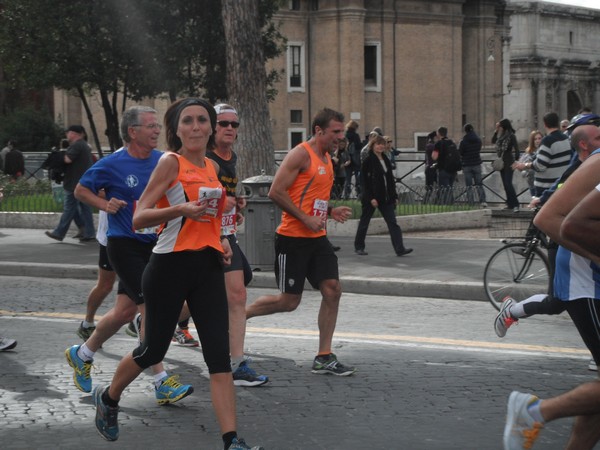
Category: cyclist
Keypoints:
(585, 139)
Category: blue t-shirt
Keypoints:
(125, 178)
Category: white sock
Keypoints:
(235, 362)
(159, 378)
(85, 353)
(534, 410)
(85, 324)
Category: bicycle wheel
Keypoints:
(516, 272)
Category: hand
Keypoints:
(114, 205)
(241, 202)
(239, 218)
(534, 202)
(195, 210)
(315, 223)
(341, 213)
(374, 203)
(517, 166)
(227, 252)
(230, 203)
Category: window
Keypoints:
(295, 5)
(314, 5)
(373, 66)
(295, 67)
(296, 136)
(296, 116)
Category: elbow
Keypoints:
(78, 192)
(570, 230)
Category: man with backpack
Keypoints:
(447, 158)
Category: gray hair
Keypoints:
(131, 117)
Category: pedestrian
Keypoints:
(507, 149)
(447, 161)
(552, 158)
(527, 414)
(301, 188)
(114, 185)
(341, 162)
(564, 124)
(430, 167)
(185, 198)
(238, 274)
(354, 148)
(379, 192)
(78, 158)
(4, 151)
(528, 156)
(7, 344)
(470, 153)
(14, 164)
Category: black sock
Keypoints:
(107, 400)
(228, 439)
(184, 323)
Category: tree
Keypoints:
(121, 50)
(247, 84)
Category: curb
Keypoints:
(396, 287)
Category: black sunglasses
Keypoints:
(226, 123)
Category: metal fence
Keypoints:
(35, 193)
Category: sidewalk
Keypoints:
(444, 264)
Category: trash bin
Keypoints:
(261, 218)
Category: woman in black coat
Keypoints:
(378, 191)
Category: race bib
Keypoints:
(320, 208)
(215, 200)
(228, 223)
(147, 230)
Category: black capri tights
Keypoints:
(169, 280)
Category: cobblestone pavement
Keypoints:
(431, 375)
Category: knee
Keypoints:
(236, 298)
(290, 303)
(125, 312)
(331, 290)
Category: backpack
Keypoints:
(55, 165)
(452, 162)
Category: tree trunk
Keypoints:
(247, 87)
(90, 117)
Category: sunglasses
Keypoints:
(226, 123)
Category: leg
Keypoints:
(271, 304)
(363, 224)
(103, 287)
(389, 215)
(479, 183)
(469, 174)
(88, 220)
(123, 312)
(511, 196)
(69, 211)
(331, 292)
(236, 299)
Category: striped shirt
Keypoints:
(552, 159)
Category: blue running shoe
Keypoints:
(245, 376)
(171, 390)
(240, 444)
(81, 368)
(106, 416)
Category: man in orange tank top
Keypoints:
(301, 188)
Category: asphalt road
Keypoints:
(431, 375)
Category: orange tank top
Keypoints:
(181, 233)
(309, 192)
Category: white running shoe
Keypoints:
(521, 430)
(504, 320)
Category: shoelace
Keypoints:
(172, 382)
(531, 434)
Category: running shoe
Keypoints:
(521, 430)
(592, 366)
(7, 344)
(240, 444)
(183, 337)
(106, 416)
(85, 333)
(245, 376)
(81, 369)
(326, 364)
(171, 390)
(134, 327)
(504, 320)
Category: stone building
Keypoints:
(410, 66)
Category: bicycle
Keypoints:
(520, 268)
